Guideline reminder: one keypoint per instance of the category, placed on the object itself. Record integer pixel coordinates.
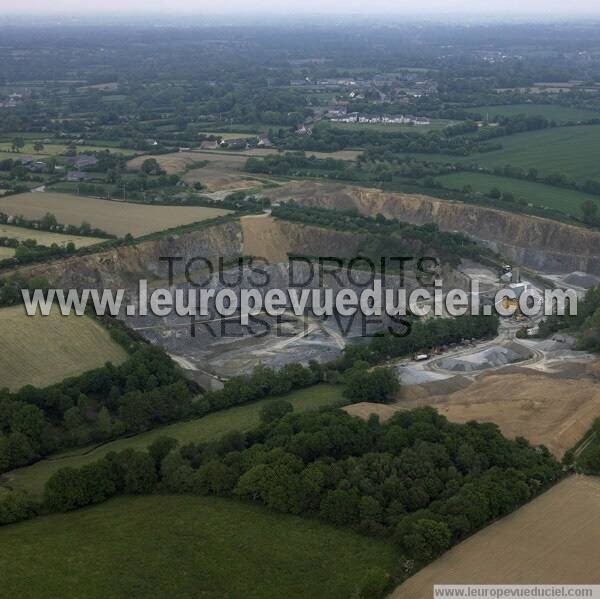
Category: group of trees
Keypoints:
(588, 461)
(385, 237)
(11, 288)
(326, 138)
(422, 335)
(145, 391)
(28, 250)
(293, 163)
(419, 479)
(49, 223)
(585, 324)
(263, 382)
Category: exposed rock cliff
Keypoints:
(534, 242)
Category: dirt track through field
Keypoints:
(552, 540)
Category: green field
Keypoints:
(42, 350)
(564, 200)
(213, 426)
(552, 112)
(180, 546)
(572, 151)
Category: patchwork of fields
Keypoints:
(42, 350)
(178, 162)
(117, 218)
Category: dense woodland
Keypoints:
(418, 479)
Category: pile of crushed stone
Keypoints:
(491, 357)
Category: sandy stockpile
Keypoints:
(117, 218)
(553, 409)
(552, 540)
(264, 239)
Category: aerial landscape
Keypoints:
(300, 303)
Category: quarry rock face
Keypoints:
(123, 266)
(534, 242)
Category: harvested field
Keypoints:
(117, 218)
(42, 350)
(554, 409)
(46, 237)
(552, 540)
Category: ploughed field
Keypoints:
(116, 218)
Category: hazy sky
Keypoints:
(540, 8)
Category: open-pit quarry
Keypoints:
(542, 390)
